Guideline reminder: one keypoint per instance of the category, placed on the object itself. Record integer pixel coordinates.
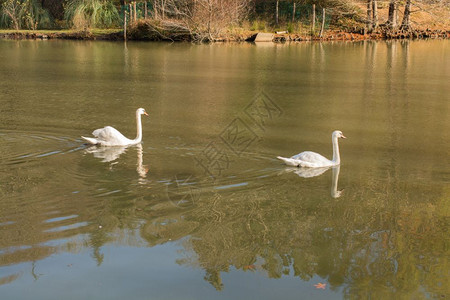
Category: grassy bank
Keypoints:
(142, 32)
(94, 34)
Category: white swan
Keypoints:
(109, 136)
(310, 159)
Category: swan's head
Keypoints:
(141, 111)
(338, 134)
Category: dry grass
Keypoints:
(423, 17)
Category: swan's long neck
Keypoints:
(336, 156)
(138, 138)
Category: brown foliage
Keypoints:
(205, 20)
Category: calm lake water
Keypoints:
(202, 209)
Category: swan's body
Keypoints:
(109, 136)
(311, 159)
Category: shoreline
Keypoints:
(62, 35)
(332, 35)
(377, 36)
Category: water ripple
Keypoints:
(67, 227)
(20, 147)
(57, 219)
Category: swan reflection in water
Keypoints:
(313, 172)
(110, 154)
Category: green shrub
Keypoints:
(85, 14)
(290, 27)
(20, 14)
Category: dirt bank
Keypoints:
(357, 36)
(287, 37)
(67, 35)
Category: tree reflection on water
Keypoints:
(378, 241)
(385, 236)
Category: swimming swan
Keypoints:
(109, 136)
(310, 159)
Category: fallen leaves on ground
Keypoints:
(320, 285)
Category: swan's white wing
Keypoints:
(109, 136)
(297, 162)
(289, 161)
(312, 158)
(307, 159)
(106, 133)
(90, 140)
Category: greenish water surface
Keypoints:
(202, 209)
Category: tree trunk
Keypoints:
(369, 16)
(16, 24)
(313, 25)
(15, 21)
(125, 26)
(293, 13)
(276, 12)
(405, 22)
(145, 10)
(135, 11)
(323, 23)
(392, 18)
(130, 7)
(375, 14)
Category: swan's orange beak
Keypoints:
(342, 136)
(145, 113)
